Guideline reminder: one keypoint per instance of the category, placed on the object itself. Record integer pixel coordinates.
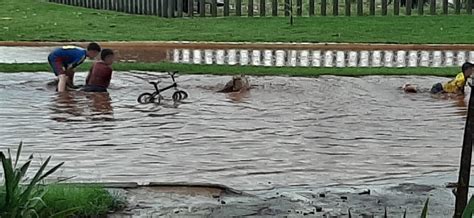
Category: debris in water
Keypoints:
(322, 195)
(366, 192)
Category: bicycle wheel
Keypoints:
(177, 96)
(184, 95)
(145, 98)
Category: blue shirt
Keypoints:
(69, 56)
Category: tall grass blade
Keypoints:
(469, 210)
(18, 152)
(51, 171)
(66, 213)
(385, 214)
(405, 213)
(9, 180)
(424, 213)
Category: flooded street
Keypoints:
(287, 132)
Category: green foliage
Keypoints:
(22, 200)
(424, 213)
(80, 200)
(469, 210)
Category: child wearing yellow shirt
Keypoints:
(456, 85)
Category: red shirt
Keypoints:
(100, 74)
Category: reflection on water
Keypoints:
(287, 131)
(70, 105)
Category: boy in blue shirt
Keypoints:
(64, 60)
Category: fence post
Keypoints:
(159, 8)
(238, 7)
(132, 6)
(171, 8)
(384, 7)
(360, 8)
(408, 7)
(287, 8)
(323, 7)
(372, 7)
(202, 8)
(335, 7)
(274, 8)
(180, 8)
(164, 8)
(140, 7)
(226, 7)
(420, 7)
(262, 8)
(457, 6)
(466, 158)
(348, 7)
(433, 7)
(311, 8)
(445, 6)
(469, 6)
(250, 8)
(396, 7)
(214, 8)
(190, 8)
(299, 7)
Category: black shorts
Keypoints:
(437, 88)
(92, 88)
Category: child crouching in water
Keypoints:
(455, 86)
(100, 74)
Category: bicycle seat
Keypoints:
(154, 83)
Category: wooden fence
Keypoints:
(263, 8)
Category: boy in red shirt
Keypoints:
(100, 74)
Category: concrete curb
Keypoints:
(261, 45)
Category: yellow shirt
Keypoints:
(455, 85)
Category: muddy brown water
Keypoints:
(287, 132)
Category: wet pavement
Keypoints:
(286, 132)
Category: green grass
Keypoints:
(249, 70)
(37, 20)
(84, 200)
(89, 200)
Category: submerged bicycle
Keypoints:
(156, 96)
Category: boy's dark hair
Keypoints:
(106, 52)
(466, 66)
(93, 47)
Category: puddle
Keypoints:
(288, 132)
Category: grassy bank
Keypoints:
(88, 200)
(28, 20)
(249, 70)
(74, 200)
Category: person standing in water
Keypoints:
(100, 74)
(64, 60)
